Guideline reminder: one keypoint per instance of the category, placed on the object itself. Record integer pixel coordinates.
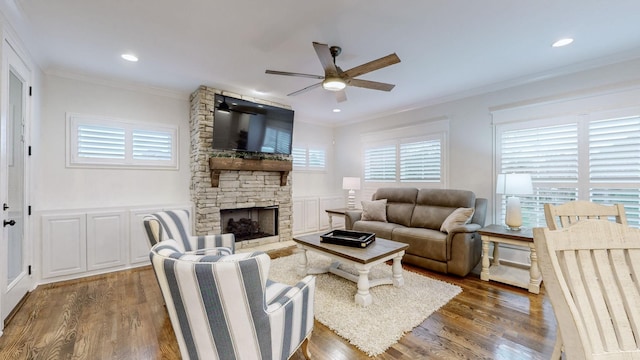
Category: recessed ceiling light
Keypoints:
(336, 110)
(129, 57)
(562, 42)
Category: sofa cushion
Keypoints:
(459, 216)
(426, 243)
(433, 206)
(400, 203)
(374, 210)
(382, 230)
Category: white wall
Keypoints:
(58, 187)
(471, 154)
(315, 183)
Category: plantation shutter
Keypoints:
(316, 158)
(380, 163)
(152, 145)
(299, 157)
(420, 161)
(614, 163)
(550, 155)
(100, 142)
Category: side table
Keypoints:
(499, 234)
(336, 212)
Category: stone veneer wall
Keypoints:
(237, 189)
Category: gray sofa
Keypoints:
(414, 216)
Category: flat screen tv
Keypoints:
(247, 126)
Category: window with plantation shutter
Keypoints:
(614, 164)
(550, 155)
(380, 164)
(105, 142)
(420, 161)
(406, 156)
(592, 157)
(309, 159)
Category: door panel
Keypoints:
(15, 281)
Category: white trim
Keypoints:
(615, 97)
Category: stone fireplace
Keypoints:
(244, 188)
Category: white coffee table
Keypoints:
(363, 260)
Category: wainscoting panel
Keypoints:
(309, 213)
(106, 238)
(84, 242)
(64, 244)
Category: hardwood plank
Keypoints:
(122, 316)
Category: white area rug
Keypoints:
(372, 329)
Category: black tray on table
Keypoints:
(348, 238)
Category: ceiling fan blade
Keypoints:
(341, 96)
(324, 54)
(371, 84)
(286, 73)
(373, 65)
(310, 87)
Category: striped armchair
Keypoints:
(224, 307)
(175, 224)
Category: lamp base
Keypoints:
(513, 219)
(351, 200)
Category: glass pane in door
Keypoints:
(15, 181)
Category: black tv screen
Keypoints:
(247, 126)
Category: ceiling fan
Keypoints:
(335, 79)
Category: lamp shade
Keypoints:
(351, 183)
(514, 184)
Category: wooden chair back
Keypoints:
(573, 211)
(591, 272)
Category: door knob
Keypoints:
(5, 206)
(10, 223)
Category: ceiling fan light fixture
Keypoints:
(333, 84)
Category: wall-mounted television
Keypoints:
(247, 126)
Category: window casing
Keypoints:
(594, 157)
(105, 142)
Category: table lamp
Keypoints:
(352, 184)
(512, 185)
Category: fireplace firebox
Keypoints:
(250, 223)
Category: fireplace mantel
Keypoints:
(217, 164)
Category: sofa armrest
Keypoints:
(350, 217)
(466, 228)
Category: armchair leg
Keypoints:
(305, 349)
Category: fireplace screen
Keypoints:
(250, 223)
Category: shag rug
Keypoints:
(372, 329)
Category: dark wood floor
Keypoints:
(121, 316)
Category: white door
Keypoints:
(15, 281)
